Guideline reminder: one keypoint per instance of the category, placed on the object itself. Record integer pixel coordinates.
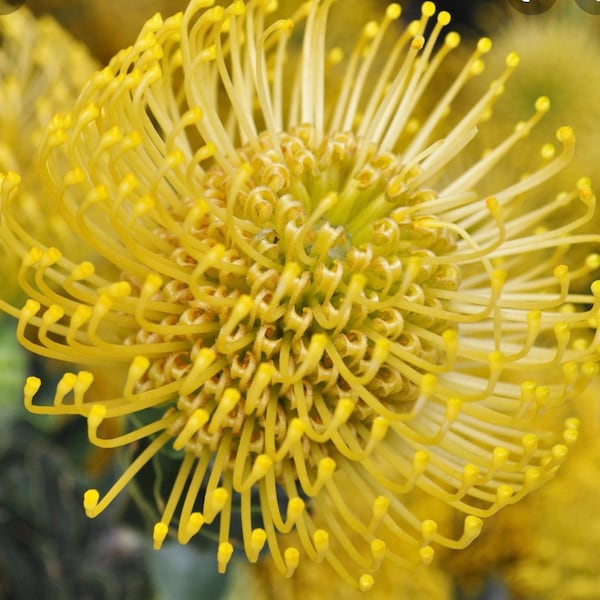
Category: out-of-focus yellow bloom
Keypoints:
(318, 581)
(41, 71)
(561, 561)
(545, 548)
(560, 51)
(307, 290)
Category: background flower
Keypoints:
(41, 71)
(559, 50)
(543, 547)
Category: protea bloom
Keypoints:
(42, 69)
(541, 548)
(308, 289)
(559, 51)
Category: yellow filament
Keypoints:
(240, 311)
(215, 503)
(262, 465)
(291, 557)
(296, 430)
(227, 403)
(92, 502)
(366, 582)
(98, 412)
(321, 542)
(191, 522)
(257, 538)
(195, 422)
(224, 554)
(198, 373)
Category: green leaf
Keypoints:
(13, 366)
(184, 573)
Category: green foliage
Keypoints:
(49, 550)
(13, 363)
(185, 573)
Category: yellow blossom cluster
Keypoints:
(314, 295)
(34, 85)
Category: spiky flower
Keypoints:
(541, 547)
(559, 51)
(41, 71)
(560, 561)
(307, 289)
(263, 582)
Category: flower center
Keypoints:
(296, 312)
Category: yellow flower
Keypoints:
(546, 546)
(561, 561)
(559, 50)
(308, 291)
(41, 71)
(263, 582)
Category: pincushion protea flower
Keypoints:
(304, 295)
(41, 71)
(35, 85)
(541, 548)
(559, 51)
(561, 560)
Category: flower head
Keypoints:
(41, 71)
(306, 289)
(541, 547)
(560, 560)
(559, 52)
(35, 83)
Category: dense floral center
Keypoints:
(293, 311)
